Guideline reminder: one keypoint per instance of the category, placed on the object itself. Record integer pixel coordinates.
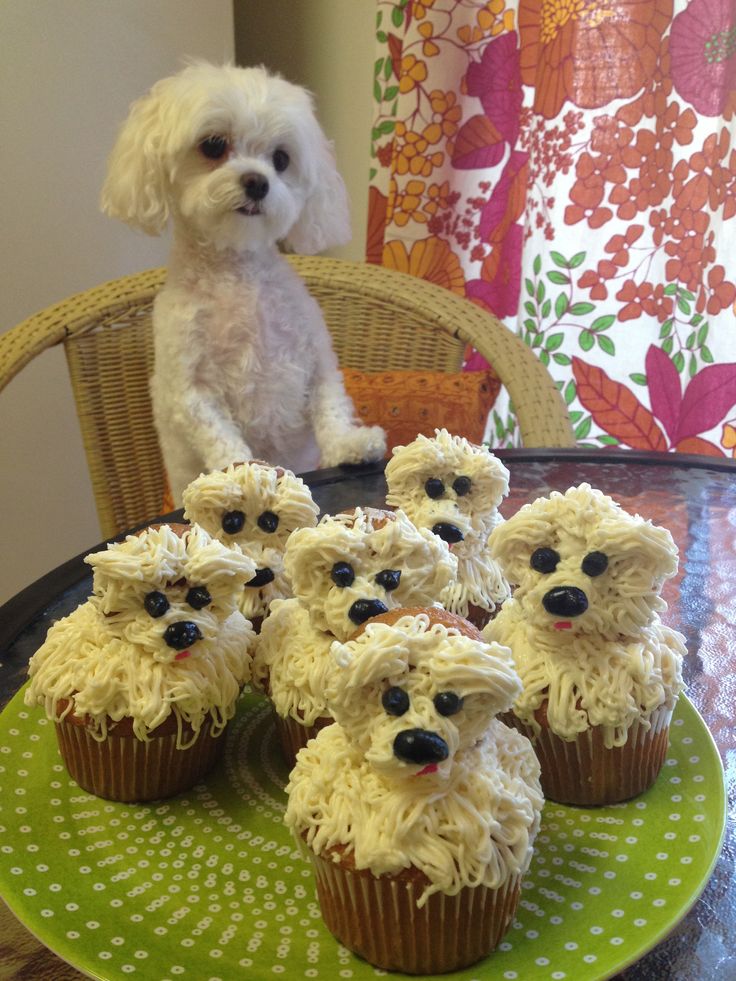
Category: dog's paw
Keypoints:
(361, 444)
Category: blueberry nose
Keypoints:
(420, 746)
(565, 601)
(447, 532)
(262, 578)
(182, 634)
(364, 609)
(255, 186)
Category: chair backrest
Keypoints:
(379, 319)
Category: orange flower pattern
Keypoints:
(571, 165)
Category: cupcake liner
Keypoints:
(293, 735)
(124, 768)
(378, 919)
(479, 616)
(584, 772)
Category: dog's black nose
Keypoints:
(255, 186)
(262, 578)
(447, 532)
(364, 609)
(420, 746)
(565, 601)
(182, 634)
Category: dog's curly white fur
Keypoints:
(244, 366)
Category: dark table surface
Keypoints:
(695, 497)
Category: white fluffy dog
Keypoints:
(244, 366)
(253, 507)
(454, 488)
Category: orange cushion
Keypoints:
(407, 403)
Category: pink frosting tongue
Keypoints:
(429, 768)
(181, 655)
(563, 625)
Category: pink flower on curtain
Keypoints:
(496, 81)
(500, 282)
(590, 52)
(703, 53)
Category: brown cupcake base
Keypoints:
(378, 919)
(584, 772)
(124, 768)
(293, 735)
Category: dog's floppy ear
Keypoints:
(509, 544)
(648, 548)
(324, 221)
(136, 183)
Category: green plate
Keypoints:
(210, 886)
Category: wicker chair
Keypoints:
(379, 319)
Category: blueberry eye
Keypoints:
(434, 488)
(232, 522)
(544, 559)
(198, 597)
(268, 521)
(461, 486)
(447, 703)
(389, 578)
(342, 574)
(594, 563)
(155, 604)
(395, 701)
(214, 147)
(280, 161)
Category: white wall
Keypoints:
(68, 72)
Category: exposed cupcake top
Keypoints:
(160, 634)
(453, 488)
(584, 622)
(253, 506)
(416, 772)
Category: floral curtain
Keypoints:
(571, 165)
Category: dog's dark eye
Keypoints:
(594, 563)
(280, 161)
(268, 521)
(395, 701)
(232, 522)
(544, 559)
(461, 486)
(155, 604)
(198, 597)
(214, 147)
(343, 574)
(434, 488)
(388, 578)
(447, 703)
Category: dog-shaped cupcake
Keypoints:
(584, 628)
(454, 488)
(160, 634)
(244, 366)
(255, 507)
(347, 569)
(417, 777)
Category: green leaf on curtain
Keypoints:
(583, 429)
(546, 308)
(683, 305)
(376, 92)
(381, 37)
(379, 18)
(544, 358)
(559, 279)
(577, 260)
(377, 67)
(529, 286)
(668, 345)
(559, 260)
(537, 265)
(386, 127)
(397, 16)
(575, 416)
(553, 342)
(702, 333)
(562, 359)
(578, 309)
(606, 344)
(692, 368)
(609, 440)
(391, 92)
(670, 289)
(666, 329)
(603, 323)
(531, 326)
(372, 173)
(706, 355)
(561, 304)
(690, 341)
(679, 360)
(586, 340)
(387, 69)
(540, 291)
(638, 378)
(570, 392)
(530, 308)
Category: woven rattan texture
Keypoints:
(379, 319)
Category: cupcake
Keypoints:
(600, 671)
(418, 808)
(350, 567)
(255, 507)
(142, 679)
(454, 488)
